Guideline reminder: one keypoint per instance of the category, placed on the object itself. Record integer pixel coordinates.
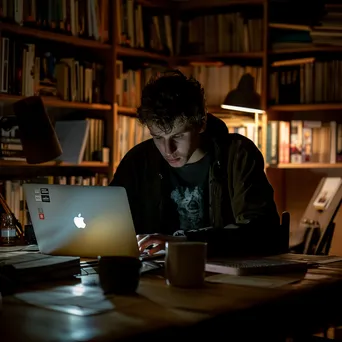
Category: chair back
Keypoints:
(285, 231)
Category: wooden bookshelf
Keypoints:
(135, 56)
(306, 166)
(216, 111)
(306, 107)
(127, 111)
(57, 103)
(155, 3)
(53, 36)
(204, 4)
(219, 56)
(123, 51)
(99, 54)
(307, 49)
(291, 182)
(85, 164)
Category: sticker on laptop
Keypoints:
(44, 191)
(36, 191)
(38, 198)
(41, 214)
(45, 198)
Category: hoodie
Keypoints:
(242, 211)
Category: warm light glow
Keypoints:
(243, 109)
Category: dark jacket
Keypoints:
(239, 194)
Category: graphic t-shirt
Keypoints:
(190, 194)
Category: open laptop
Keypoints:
(85, 221)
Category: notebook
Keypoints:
(260, 266)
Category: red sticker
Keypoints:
(41, 216)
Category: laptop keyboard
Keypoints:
(88, 268)
(146, 256)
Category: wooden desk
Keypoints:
(158, 311)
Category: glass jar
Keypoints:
(8, 230)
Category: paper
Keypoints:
(28, 248)
(311, 276)
(261, 281)
(11, 249)
(328, 191)
(5, 255)
(77, 300)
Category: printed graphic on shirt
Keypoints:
(190, 206)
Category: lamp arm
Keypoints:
(7, 123)
(4, 205)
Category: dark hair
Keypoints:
(172, 96)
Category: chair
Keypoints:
(316, 228)
(324, 244)
(285, 232)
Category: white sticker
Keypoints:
(38, 198)
(36, 191)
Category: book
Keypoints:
(261, 266)
(34, 267)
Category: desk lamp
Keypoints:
(37, 135)
(245, 99)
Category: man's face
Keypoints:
(178, 146)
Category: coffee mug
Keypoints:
(185, 264)
(119, 274)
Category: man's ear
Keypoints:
(204, 124)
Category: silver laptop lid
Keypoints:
(85, 221)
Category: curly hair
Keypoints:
(171, 96)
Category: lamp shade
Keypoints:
(37, 135)
(244, 98)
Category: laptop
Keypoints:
(84, 221)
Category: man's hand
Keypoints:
(157, 241)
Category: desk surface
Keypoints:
(159, 310)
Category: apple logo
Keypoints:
(79, 221)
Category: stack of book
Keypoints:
(35, 267)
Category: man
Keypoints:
(193, 180)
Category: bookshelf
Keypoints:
(306, 107)
(37, 43)
(288, 179)
(113, 48)
(203, 4)
(129, 111)
(305, 50)
(306, 166)
(219, 57)
(52, 36)
(86, 164)
(108, 48)
(114, 51)
(57, 103)
(155, 3)
(123, 51)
